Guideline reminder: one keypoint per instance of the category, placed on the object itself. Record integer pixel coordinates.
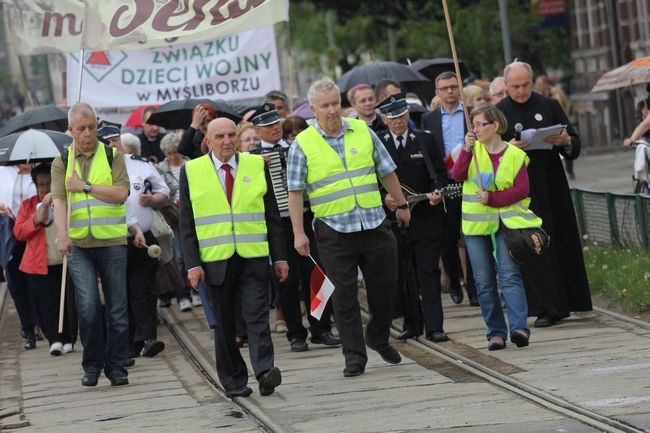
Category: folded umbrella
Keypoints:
(33, 145)
(48, 117)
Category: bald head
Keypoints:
(519, 81)
(221, 138)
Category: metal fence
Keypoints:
(613, 219)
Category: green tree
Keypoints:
(361, 27)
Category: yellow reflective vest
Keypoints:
(222, 228)
(479, 219)
(89, 215)
(334, 188)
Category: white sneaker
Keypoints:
(185, 304)
(56, 348)
(196, 300)
(68, 347)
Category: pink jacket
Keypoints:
(35, 258)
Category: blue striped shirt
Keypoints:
(358, 218)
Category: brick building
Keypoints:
(606, 34)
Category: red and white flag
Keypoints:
(321, 290)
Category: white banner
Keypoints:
(48, 26)
(244, 65)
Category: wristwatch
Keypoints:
(403, 206)
(87, 187)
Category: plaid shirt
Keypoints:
(358, 218)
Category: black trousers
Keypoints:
(450, 237)
(297, 285)
(48, 294)
(19, 289)
(141, 271)
(375, 252)
(241, 285)
(424, 280)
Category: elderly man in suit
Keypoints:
(230, 224)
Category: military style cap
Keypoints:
(108, 130)
(265, 115)
(394, 106)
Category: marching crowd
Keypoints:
(234, 218)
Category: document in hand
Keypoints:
(535, 137)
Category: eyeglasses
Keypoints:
(481, 125)
(447, 88)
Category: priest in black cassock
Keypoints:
(557, 282)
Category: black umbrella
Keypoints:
(48, 117)
(431, 68)
(178, 114)
(411, 80)
(33, 145)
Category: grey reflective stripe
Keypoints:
(226, 218)
(97, 222)
(370, 187)
(315, 201)
(470, 198)
(513, 213)
(340, 176)
(249, 217)
(241, 239)
(219, 240)
(213, 219)
(479, 217)
(92, 202)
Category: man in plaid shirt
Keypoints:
(337, 161)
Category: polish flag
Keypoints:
(321, 289)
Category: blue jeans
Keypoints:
(105, 339)
(485, 271)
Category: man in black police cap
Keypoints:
(269, 129)
(420, 167)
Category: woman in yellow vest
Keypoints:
(502, 201)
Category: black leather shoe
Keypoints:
(473, 301)
(437, 337)
(269, 380)
(152, 348)
(544, 321)
(130, 362)
(326, 338)
(353, 371)
(298, 345)
(89, 379)
(406, 334)
(456, 296)
(244, 391)
(165, 303)
(519, 338)
(119, 380)
(387, 353)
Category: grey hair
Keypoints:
(509, 68)
(130, 142)
(322, 86)
(171, 140)
(83, 108)
(494, 83)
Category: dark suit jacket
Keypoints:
(432, 122)
(216, 271)
(412, 172)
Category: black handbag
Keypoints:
(525, 245)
